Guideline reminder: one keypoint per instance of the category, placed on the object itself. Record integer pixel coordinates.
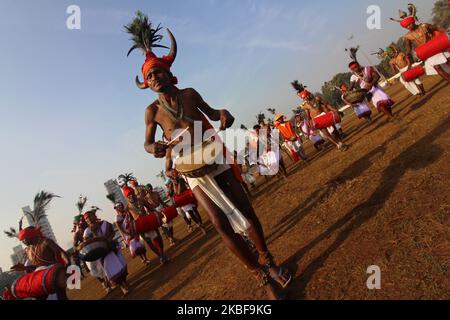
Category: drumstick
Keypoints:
(177, 137)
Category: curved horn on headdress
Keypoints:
(139, 84)
(20, 224)
(173, 45)
(396, 20)
(412, 10)
(402, 14)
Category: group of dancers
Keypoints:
(218, 188)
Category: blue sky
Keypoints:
(71, 116)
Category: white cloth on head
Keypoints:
(411, 86)
(436, 60)
(210, 187)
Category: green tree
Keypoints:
(330, 89)
(441, 14)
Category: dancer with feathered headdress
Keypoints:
(229, 208)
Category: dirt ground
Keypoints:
(384, 202)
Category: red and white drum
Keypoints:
(145, 223)
(40, 284)
(185, 198)
(413, 73)
(440, 43)
(326, 120)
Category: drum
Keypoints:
(413, 73)
(201, 161)
(326, 120)
(40, 284)
(440, 43)
(145, 223)
(356, 96)
(185, 198)
(94, 249)
(169, 214)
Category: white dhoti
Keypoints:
(181, 212)
(151, 234)
(380, 98)
(187, 208)
(96, 269)
(210, 187)
(136, 246)
(269, 163)
(412, 85)
(362, 110)
(115, 267)
(248, 178)
(297, 147)
(436, 60)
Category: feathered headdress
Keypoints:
(381, 54)
(40, 205)
(125, 178)
(12, 232)
(271, 110)
(298, 86)
(407, 19)
(302, 92)
(145, 38)
(81, 203)
(352, 53)
(261, 118)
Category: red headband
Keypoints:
(152, 61)
(405, 23)
(87, 214)
(353, 65)
(29, 233)
(304, 94)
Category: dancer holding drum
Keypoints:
(319, 114)
(170, 191)
(367, 78)
(362, 110)
(138, 209)
(400, 63)
(100, 236)
(181, 189)
(303, 127)
(420, 36)
(216, 186)
(45, 266)
(155, 201)
(123, 218)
